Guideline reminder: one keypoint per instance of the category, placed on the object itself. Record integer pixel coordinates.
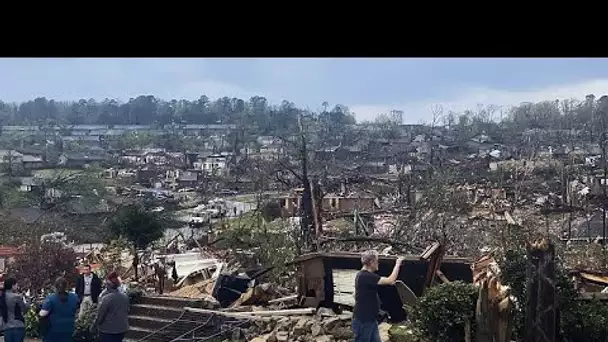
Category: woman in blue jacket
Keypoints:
(60, 310)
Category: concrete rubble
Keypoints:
(325, 325)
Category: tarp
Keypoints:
(187, 263)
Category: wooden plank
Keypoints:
(430, 251)
(283, 299)
(509, 218)
(287, 312)
(407, 296)
(434, 264)
(442, 276)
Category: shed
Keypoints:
(327, 279)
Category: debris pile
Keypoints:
(324, 325)
(196, 290)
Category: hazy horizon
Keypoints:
(367, 86)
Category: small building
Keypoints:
(153, 156)
(31, 162)
(82, 140)
(7, 255)
(29, 184)
(333, 203)
(265, 140)
(10, 156)
(291, 204)
(188, 178)
(215, 164)
(80, 160)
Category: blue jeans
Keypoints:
(111, 337)
(366, 331)
(14, 335)
(57, 337)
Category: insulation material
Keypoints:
(344, 286)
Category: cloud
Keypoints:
(472, 97)
(211, 88)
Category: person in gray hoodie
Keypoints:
(13, 309)
(113, 312)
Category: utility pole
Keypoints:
(604, 188)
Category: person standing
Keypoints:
(161, 274)
(13, 309)
(113, 312)
(121, 288)
(88, 288)
(60, 309)
(367, 302)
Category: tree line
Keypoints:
(150, 110)
(589, 114)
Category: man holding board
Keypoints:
(367, 302)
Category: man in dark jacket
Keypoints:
(88, 288)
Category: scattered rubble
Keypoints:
(324, 325)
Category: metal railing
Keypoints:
(198, 330)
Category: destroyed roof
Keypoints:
(144, 152)
(84, 156)
(188, 177)
(31, 181)
(27, 158)
(31, 151)
(350, 195)
(81, 138)
(6, 153)
(9, 251)
(329, 149)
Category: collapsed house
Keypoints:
(328, 279)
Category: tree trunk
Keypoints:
(541, 323)
(307, 217)
(136, 264)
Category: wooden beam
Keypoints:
(429, 251)
(288, 312)
(442, 276)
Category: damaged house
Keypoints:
(80, 160)
(290, 205)
(328, 279)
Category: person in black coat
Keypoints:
(88, 288)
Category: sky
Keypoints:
(367, 86)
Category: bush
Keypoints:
(32, 322)
(135, 295)
(443, 311)
(586, 321)
(49, 260)
(85, 329)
